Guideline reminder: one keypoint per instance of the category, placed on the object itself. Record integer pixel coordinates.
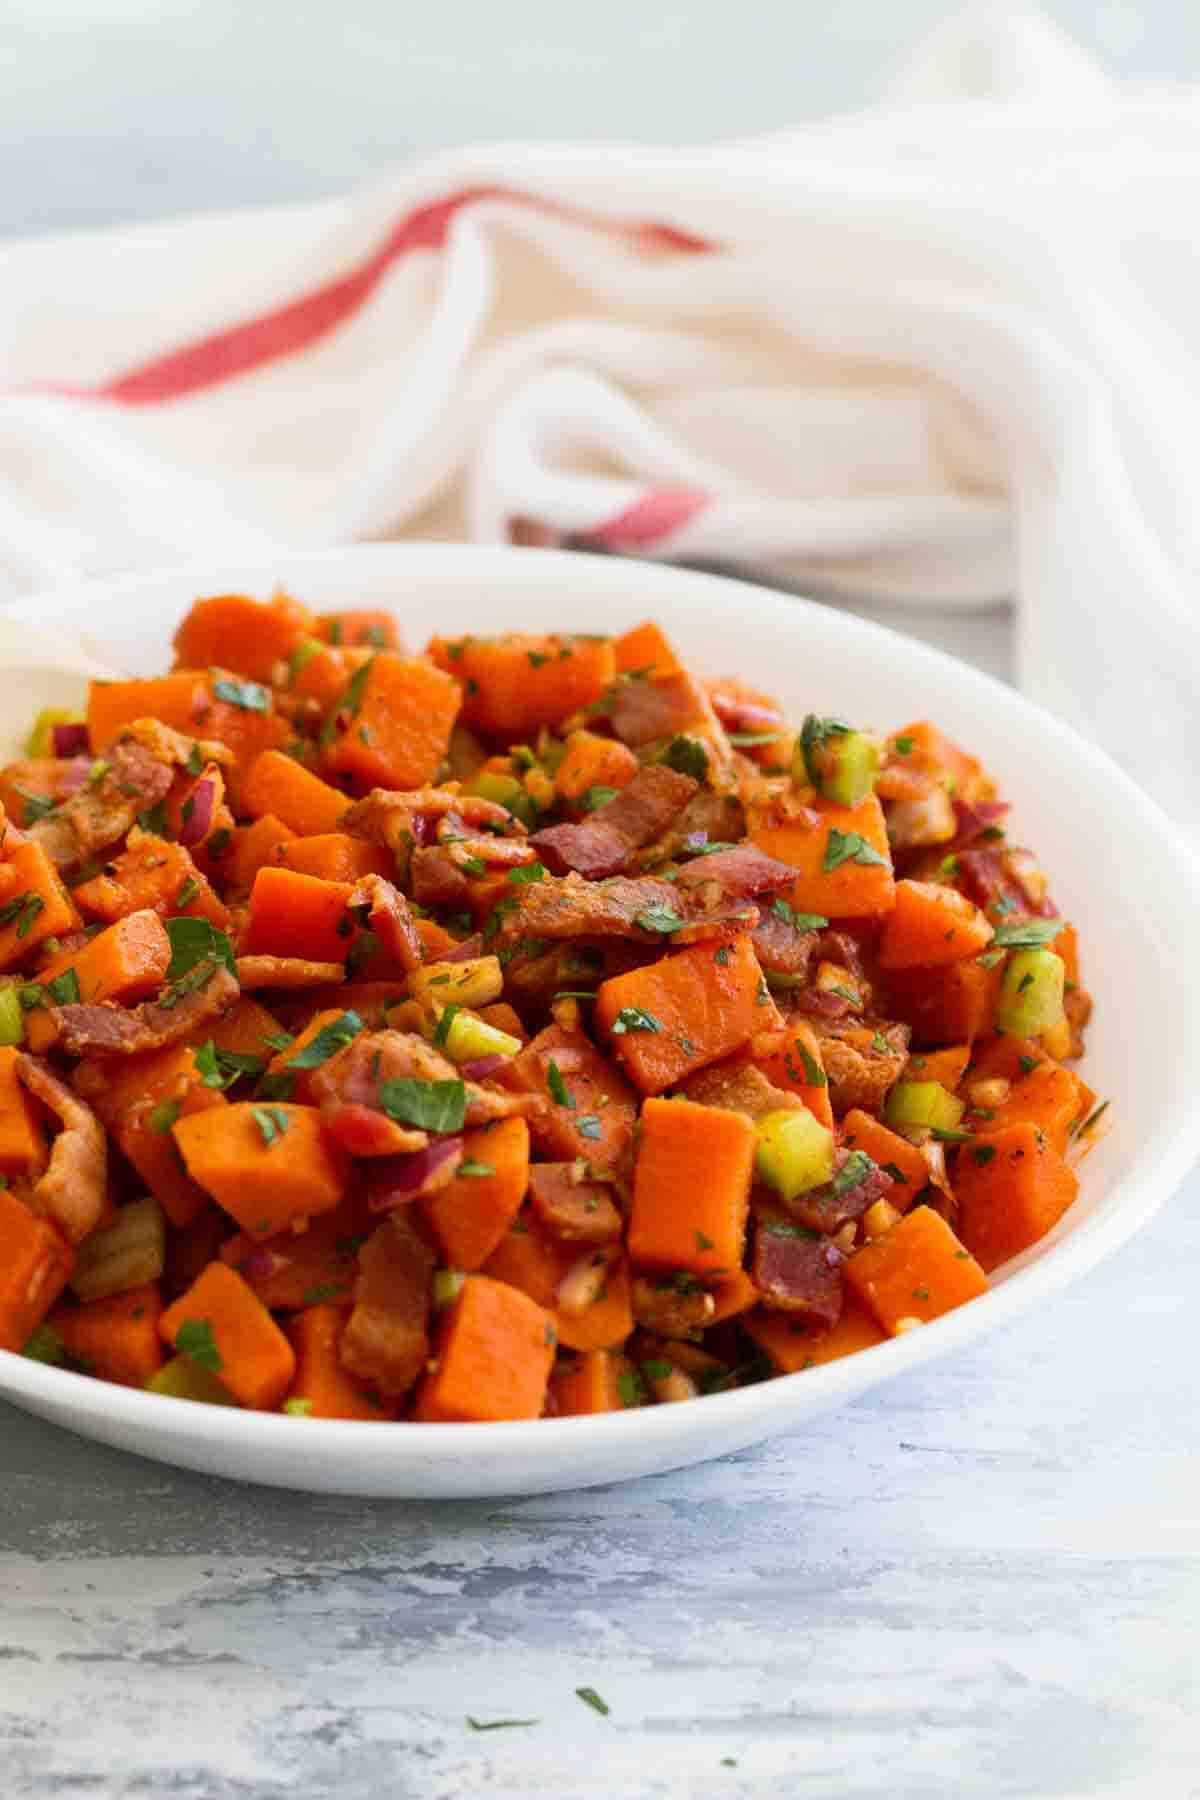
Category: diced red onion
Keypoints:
(822, 1004)
(197, 825)
(69, 740)
(482, 1067)
(464, 952)
(420, 825)
(262, 1264)
(973, 817)
(76, 776)
(395, 1180)
(695, 840)
(744, 715)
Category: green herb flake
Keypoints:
(526, 873)
(656, 1370)
(1027, 934)
(64, 989)
(594, 798)
(475, 1170)
(814, 1074)
(920, 1293)
(558, 1089)
(279, 1085)
(37, 806)
(1027, 1064)
(195, 1339)
(704, 1243)
(721, 956)
(155, 821)
(853, 1172)
(298, 1409)
(187, 891)
(246, 694)
(746, 740)
(904, 746)
(324, 1290)
(945, 1136)
(272, 1121)
(658, 918)
(687, 756)
(983, 1154)
(438, 1106)
(630, 1388)
(195, 941)
(634, 1018)
(497, 1724)
(849, 846)
(163, 1116)
(329, 1040)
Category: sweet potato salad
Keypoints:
(521, 1027)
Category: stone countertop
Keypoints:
(981, 1581)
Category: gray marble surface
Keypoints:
(981, 1582)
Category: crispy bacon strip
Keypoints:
(389, 917)
(355, 1075)
(73, 1188)
(605, 843)
(797, 1274)
(102, 811)
(386, 1341)
(106, 1029)
(575, 908)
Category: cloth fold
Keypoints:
(938, 352)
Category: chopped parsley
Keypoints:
(634, 1018)
(155, 821)
(537, 658)
(492, 1724)
(329, 1040)
(23, 911)
(1027, 1064)
(799, 921)
(221, 1068)
(1027, 934)
(814, 1074)
(272, 1121)
(853, 1172)
(904, 746)
(983, 1154)
(446, 1019)
(595, 797)
(560, 1093)
(36, 805)
(187, 891)
(475, 1170)
(164, 1115)
(195, 762)
(848, 846)
(246, 694)
(195, 941)
(195, 1339)
(427, 1105)
(64, 989)
(526, 873)
(280, 1085)
(687, 756)
(630, 1388)
(324, 1290)
(658, 918)
(352, 699)
(704, 1243)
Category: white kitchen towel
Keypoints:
(938, 351)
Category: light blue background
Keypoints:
(122, 109)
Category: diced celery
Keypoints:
(45, 1346)
(183, 1379)
(914, 1104)
(12, 1017)
(505, 790)
(447, 1284)
(477, 981)
(125, 1254)
(41, 739)
(842, 764)
(795, 1152)
(1031, 994)
(301, 656)
(469, 1037)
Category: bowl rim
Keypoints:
(1132, 1199)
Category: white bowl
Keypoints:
(1118, 869)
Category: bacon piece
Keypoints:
(995, 875)
(436, 878)
(859, 1070)
(742, 708)
(574, 908)
(604, 843)
(641, 712)
(286, 972)
(971, 819)
(389, 917)
(102, 811)
(73, 1188)
(782, 949)
(386, 1339)
(363, 1131)
(355, 1074)
(798, 1273)
(398, 820)
(572, 1207)
(106, 1029)
(739, 873)
(826, 1208)
(675, 1306)
(739, 1087)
